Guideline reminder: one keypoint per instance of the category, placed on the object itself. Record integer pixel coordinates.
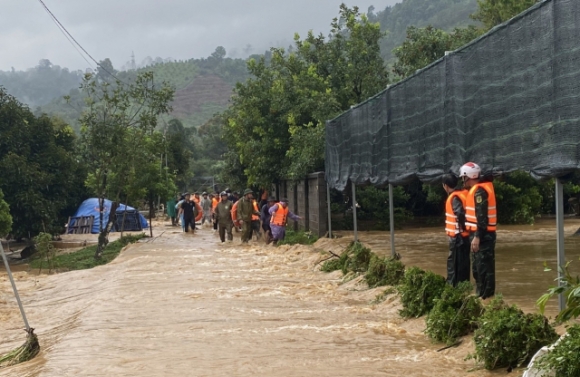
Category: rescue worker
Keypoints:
(245, 211)
(266, 217)
(214, 202)
(458, 260)
(196, 197)
(224, 218)
(280, 214)
(205, 205)
(255, 221)
(481, 221)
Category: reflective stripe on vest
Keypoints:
(470, 216)
(280, 216)
(451, 221)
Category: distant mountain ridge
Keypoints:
(204, 86)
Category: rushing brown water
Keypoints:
(186, 306)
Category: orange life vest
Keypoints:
(280, 216)
(214, 203)
(451, 221)
(471, 218)
(235, 212)
(255, 217)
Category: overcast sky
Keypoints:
(179, 29)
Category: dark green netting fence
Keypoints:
(509, 100)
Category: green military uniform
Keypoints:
(483, 267)
(245, 212)
(224, 219)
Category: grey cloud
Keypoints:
(180, 29)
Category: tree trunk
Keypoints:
(104, 234)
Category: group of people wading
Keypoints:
(471, 223)
(227, 212)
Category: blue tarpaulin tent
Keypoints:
(90, 207)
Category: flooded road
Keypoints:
(184, 305)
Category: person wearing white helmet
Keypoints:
(481, 221)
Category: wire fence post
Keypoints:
(354, 212)
(392, 219)
(329, 213)
(560, 239)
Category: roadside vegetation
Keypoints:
(85, 258)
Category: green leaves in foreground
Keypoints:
(455, 314)
(507, 337)
(564, 358)
(570, 287)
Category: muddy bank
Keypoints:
(186, 305)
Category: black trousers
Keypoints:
(458, 261)
(189, 222)
(484, 266)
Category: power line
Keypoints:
(71, 39)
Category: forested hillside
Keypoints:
(441, 14)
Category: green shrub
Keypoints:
(298, 238)
(506, 337)
(418, 290)
(358, 259)
(564, 358)
(335, 264)
(454, 314)
(383, 295)
(384, 271)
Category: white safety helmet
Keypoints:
(470, 170)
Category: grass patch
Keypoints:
(455, 314)
(418, 290)
(506, 337)
(298, 238)
(85, 258)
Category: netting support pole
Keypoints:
(392, 219)
(560, 238)
(329, 213)
(16, 295)
(354, 212)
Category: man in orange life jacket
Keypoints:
(280, 214)
(481, 221)
(458, 260)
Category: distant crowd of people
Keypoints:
(227, 211)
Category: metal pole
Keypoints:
(560, 238)
(354, 212)
(392, 219)
(14, 288)
(329, 213)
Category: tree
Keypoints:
(114, 128)
(219, 53)
(495, 12)
(274, 113)
(42, 178)
(423, 46)
(5, 218)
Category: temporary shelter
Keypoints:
(90, 207)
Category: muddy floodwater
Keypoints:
(182, 305)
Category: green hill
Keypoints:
(442, 14)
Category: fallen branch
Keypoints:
(25, 352)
